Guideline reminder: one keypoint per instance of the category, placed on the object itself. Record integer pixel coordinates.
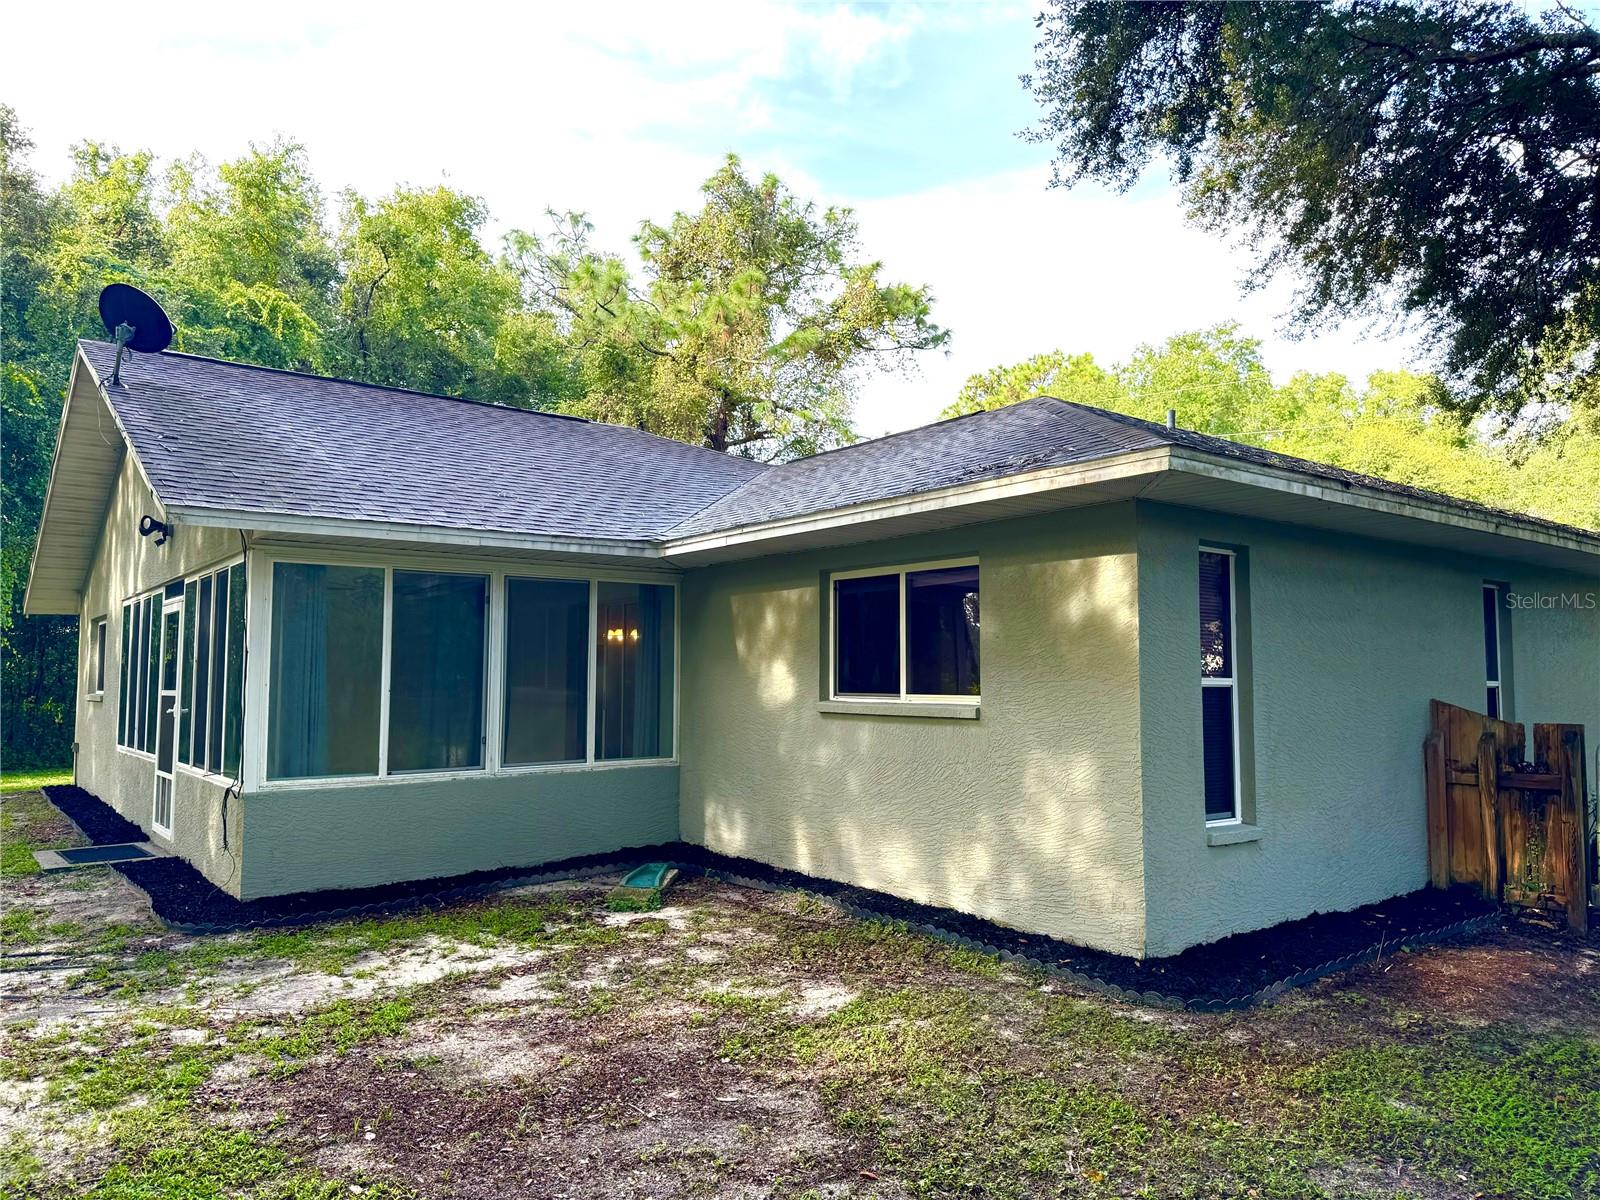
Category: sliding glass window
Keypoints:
(547, 671)
(635, 643)
(327, 667)
(436, 671)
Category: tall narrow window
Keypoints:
(125, 657)
(436, 671)
(97, 651)
(1493, 616)
(1219, 693)
(547, 670)
(327, 665)
(634, 670)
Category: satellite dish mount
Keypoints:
(135, 322)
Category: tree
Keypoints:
(757, 318)
(252, 270)
(423, 304)
(1075, 377)
(1438, 158)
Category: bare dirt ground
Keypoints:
(739, 1043)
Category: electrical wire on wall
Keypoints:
(235, 788)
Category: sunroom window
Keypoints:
(436, 671)
(210, 711)
(547, 671)
(635, 643)
(327, 666)
(910, 633)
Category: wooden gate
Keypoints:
(1519, 835)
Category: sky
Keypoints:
(907, 113)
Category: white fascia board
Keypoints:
(1007, 487)
(398, 531)
(1356, 495)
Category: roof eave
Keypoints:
(302, 525)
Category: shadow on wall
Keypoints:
(1029, 816)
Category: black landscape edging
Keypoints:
(181, 898)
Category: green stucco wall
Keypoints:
(1028, 815)
(1348, 641)
(126, 565)
(303, 839)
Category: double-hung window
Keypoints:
(1219, 685)
(906, 634)
(139, 684)
(1494, 616)
(211, 692)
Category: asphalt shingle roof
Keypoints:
(988, 445)
(214, 434)
(223, 435)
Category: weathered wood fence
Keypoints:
(1521, 836)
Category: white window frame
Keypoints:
(1230, 681)
(900, 570)
(98, 633)
(258, 643)
(184, 714)
(1495, 684)
(136, 598)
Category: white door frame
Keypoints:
(167, 718)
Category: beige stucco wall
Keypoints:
(1028, 815)
(1347, 642)
(125, 565)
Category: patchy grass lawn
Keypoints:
(28, 781)
(553, 1041)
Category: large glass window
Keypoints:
(634, 670)
(1219, 696)
(327, 663)
(436, 671)
(212, 686)
(547, 671)
(930, 614)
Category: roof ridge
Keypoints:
(360, 383)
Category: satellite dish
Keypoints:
(135, 322)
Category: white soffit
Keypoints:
(83, 476)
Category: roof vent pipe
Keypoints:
(1172, 418)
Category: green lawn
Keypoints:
(28, 781)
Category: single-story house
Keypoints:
(338, 635)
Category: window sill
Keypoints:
(95, 697)
(1232, 835)
(899, 708)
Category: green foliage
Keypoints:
(1400, 426)
(1524, 1120)
(1440, 159)
(630, 899)
(755, 320)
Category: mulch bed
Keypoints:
(1231, 972)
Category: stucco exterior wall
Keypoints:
(304, 839)
(1028, 815)
(1347, 642)
(126, 565)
